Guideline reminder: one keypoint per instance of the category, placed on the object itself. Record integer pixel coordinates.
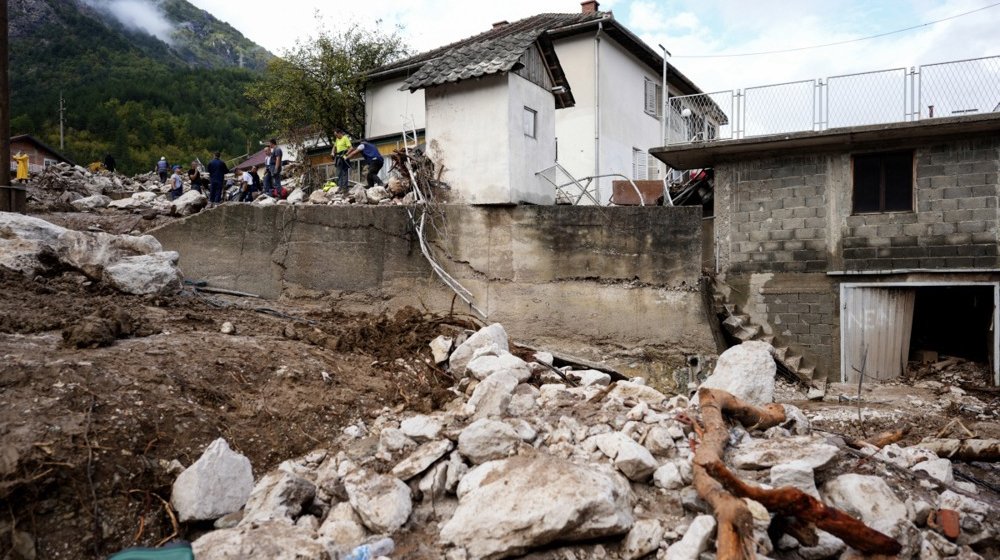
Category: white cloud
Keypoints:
(141, 15)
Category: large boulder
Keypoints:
(377, 194)
(92, 202)
(747, 371)
(484, 366)
(513, 505)
(145, 274)
(867, 497)
(486, 336)
(189, 203)
(766, 453)
(383, 502)
(218, 483)
(492, 396)
(278, 496)
(422, 458)
(272, 540)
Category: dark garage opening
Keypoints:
(954, 321)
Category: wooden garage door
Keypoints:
(877, 326)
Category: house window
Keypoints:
(883, 182)
(653, 98)
(530, 122)
(47, 162)
(638, 163)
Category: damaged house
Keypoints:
(612, 77)
(858, 248)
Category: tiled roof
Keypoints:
(472, 60)
(534, 24)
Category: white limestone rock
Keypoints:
(524, 502)
(695, 539)
(383, 502)
(492, 395)
(270, 540)
(297, 196)
(359, 194)
(643, 539)
(634, 460)
(629, 390)
(868, 498)
(486, 440)
(156, 273)
(747, 371)
(765, 453)
(377, 194)
(940, 469)
(218, 483)
(588, 377)
(440, 348)
(668, 476)
(660, 442)
(421, 428)
(92, 202)
(189, 203)
(797, 474)
(319, 197)
(392, 440)
(421, 459)
(492, 334)
(278, 496)
(482, 367)
(343, 526)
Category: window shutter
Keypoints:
(638, 163)
(650, 97)
(653, 167)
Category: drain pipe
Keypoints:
(597, 107)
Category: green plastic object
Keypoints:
(179, 551)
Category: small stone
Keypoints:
(440, 348)
(486, 439)
(867, 497)
(762, 454)
(492, 395)
(939, 469)
(694, 541)
(227, 328)
(625, 390)
(383, 502)
(280, 496)
(492, 334)
(482, 367)
(797, 474)
(589, 377)
(218, 483)
(544, 358)
(343, 526)
(424, 456)
(668, 477)
(643, 539)
(421, 428)
(632, 459)
(393, 439)
(659, 442)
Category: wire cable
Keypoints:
(839, 42)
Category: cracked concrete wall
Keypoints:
(585, 280)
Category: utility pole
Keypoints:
(62, 111)
(665, 95)
(4, 99)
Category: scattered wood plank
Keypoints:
(879, 440)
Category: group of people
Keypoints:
(250, 182)
(217, 171)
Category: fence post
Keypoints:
(920, 93)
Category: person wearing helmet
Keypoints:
(161, 168)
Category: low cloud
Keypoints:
(140, 15)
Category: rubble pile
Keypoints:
(562, 463)
(130, 264)
(61, 186)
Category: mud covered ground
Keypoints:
(100, 392)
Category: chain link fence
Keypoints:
(944, 89)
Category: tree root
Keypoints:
(796, 513)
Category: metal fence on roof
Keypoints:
(946, 89)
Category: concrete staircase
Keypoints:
(791, 364)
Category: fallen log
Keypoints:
(734, 536)
(964, 449)
(792, 502)
(796, 511)
(879, 440)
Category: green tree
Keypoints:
(320, 83)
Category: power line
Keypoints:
(839, 42)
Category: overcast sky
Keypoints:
(685, 27)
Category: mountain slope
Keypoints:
(127, 91)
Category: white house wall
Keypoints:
(531, 155)
(386, 108)
(468, 128)
(575, 125)
(624, 123)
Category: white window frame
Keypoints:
(47, 162)
(652, 98)
(639, 164)
(529, 122)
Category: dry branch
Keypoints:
(734, 539)
(964, 449)
(795, 511)
(795, 503)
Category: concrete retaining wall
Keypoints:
(587, 280)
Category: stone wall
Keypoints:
(783, 222)
(586, 280)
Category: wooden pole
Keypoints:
(4, 99)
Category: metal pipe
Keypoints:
(597, 106)
(4, 99)
(666, 97)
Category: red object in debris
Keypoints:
(947, 521)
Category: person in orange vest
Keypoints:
(22, 166)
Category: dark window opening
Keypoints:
(954, 321)
(883, 182)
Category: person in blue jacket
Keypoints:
(217, 171)
(372, 157)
